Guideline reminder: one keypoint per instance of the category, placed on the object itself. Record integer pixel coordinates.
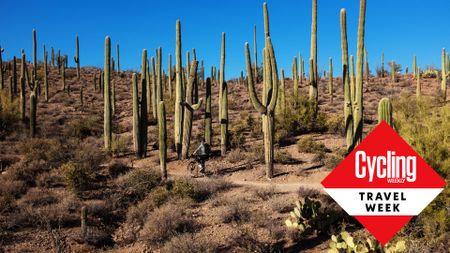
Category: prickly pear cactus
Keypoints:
(345, 243)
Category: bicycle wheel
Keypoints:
(192, 169)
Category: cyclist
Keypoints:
(202, 154)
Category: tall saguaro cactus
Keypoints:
(295, 77)
(179, 93)
(358, 102)
(107, 110)
(313, 91)
(22, 87)
(154, 95)
(267, 106)
(418, 85)
(444, 77)
(159, 78)
(385, 111)
(281, 104)
(169, 76)
(382, 64)
(330, 79)
(45, 76)
(140, 116)
(76, 58)
(208, 114)
(34, 55)
(223, 96)
(352, 76)
(415, 65)
(162, 139)
(189, 109)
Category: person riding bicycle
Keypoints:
(202, 154)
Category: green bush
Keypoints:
(300, 118)
(84, 127)
(136, 184)
(426, 127)
(308, 145)
(9, 114)
(77, 177)
(119, 145)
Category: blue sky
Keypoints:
(397, 28)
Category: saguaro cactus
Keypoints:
(169, 76)
(418, 86)
(313, 91)
(136, 117)
(2, 85)
(223, 98)
(154, 95)
(352, 76)
(208, 115)
(45, 76)
(382, 64)
(83, 218)
(140, 116)
(22, 87)
(52, 61)
(385, 111)
(159, 78)
(267, 106)
(189, 109)
(179, 93)
(76, 58)
(295, 77)
(330, 79)
(444, 77)
(11, 89)
(393, 71)
(14, 74)
(34, 55)
(162, 139)
(113, 98)
(358, 102)
(107, 110)
(415, 65)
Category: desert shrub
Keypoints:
(246, 239)
(333, 160)
(265, 193)
(117, 168)
(307, 192)
(38, 197)
(430, 73)
(280, 204)
(49, 179)
(12, 188)
(51, 151)
(283, 157)
(7, 203)
(236, 211)
(137, 215)
(236, 136)
(9, 114)
(335, 124)
(254, 125)
(167, 221)
(256, 153)
(187, 188)
(84, 127)
(136, 184)
(119, 145)
(190, 243)
(300, 118)
(425, 127)
(235, 156)
(308, 145)
(88, 154)
(77, 176)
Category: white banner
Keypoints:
(389, 202)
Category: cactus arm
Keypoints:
(251, 85)
(273, 63)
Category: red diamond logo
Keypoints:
(383, 183)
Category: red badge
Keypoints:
(383, 183)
